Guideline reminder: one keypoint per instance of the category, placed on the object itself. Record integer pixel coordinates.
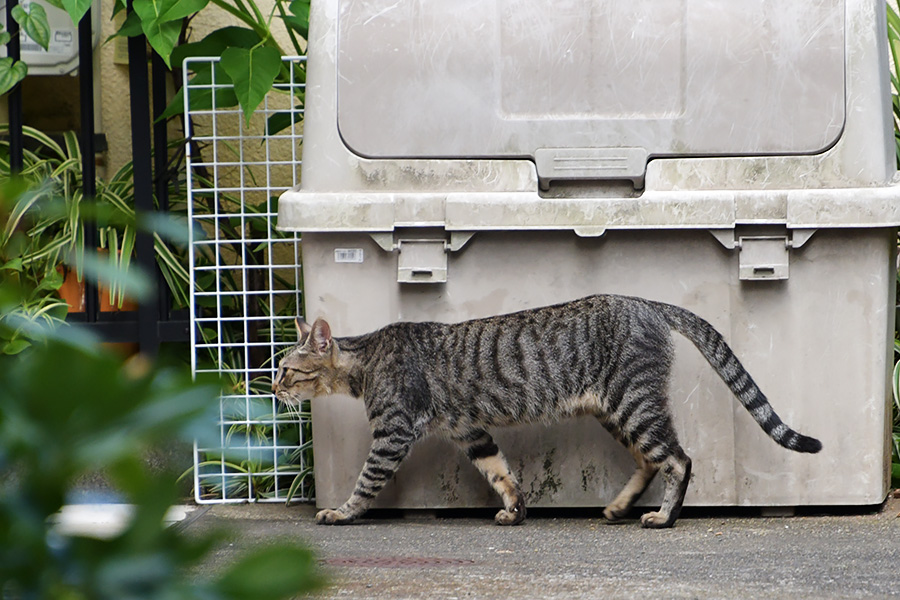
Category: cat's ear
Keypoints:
(320, 339)
(303, 329)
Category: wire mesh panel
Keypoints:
(246, 284)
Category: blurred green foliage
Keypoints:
(68, 408)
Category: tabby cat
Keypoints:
(606, 356)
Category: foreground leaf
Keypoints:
(134, 283)
(253, 73)
(271, 573)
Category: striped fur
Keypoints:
(606, 356)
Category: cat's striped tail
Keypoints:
(714, 348)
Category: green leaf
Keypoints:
(162, 35)
(11, 73)
(52, 281)
(16, 346)
(76, 8)
(284, 119)
(300, 21)
(34, 23)
(12, 265)
(201, 97)
(212, 45)
(253, 73)
(181, 9)
(893, 18)
(4, 38)
(131, 27)
(895, 383)
(216, 43)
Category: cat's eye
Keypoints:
(295, 370)
(303, 373)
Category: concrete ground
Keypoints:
(575, 555)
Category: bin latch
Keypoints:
(763, 257)
(422, 259)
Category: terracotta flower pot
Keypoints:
(72, 292)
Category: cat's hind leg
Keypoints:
(644, 426)
(676, 469)
(643, 475)
(479, 446)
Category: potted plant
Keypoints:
(44, 229)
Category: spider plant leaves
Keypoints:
(893, 31)
(297, 483)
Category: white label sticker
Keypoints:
(348, 255)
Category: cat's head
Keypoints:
(312, 368)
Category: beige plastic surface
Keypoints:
(818, 344)
(791, 256)
(508, 77)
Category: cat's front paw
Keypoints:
(512, 517)
(332, 517)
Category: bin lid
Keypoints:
(550, 78)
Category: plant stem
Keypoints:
(290, 31)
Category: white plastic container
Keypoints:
(61, 56)
(470, 158)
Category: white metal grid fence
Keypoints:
(246, 284)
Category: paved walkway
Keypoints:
(579, 556)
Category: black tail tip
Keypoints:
(807, 444)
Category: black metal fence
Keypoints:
(154, 321)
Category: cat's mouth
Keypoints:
(289, 399)
(286, 398)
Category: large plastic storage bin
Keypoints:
(469, 158)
